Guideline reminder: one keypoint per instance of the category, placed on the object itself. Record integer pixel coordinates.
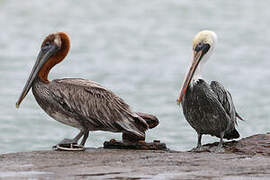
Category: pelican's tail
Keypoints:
(135, 130)
(150, 119)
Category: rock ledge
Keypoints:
(247, 158)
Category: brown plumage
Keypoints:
(81, 103)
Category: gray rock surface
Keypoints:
(141, 164)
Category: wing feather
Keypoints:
(225, 99)
(97, 105)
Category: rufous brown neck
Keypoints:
(56, 58)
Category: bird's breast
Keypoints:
(44, 97)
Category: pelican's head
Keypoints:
(203, 45)
(53, 50)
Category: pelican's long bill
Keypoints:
(43, 56)
(198, 54)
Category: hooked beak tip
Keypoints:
(17, 105)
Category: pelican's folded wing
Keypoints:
(98, 105)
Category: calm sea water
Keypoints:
(140, 50)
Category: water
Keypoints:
(140, 50)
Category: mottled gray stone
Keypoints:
(141, 164)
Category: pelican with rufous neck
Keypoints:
(81, 103)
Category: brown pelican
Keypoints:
(209, 109)
(80, 103)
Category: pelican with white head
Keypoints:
(209, 109)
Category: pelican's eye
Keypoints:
(47, 43)
(46, 46)
(199, 46)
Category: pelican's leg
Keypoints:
(199, 143)
(85, 136)
(76, 139)
(72, 141)
(70, 144)
(220, 144)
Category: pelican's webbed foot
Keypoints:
(67, 141)
(219, 149)
(72, 144)
(68, 145)
(199, 147)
